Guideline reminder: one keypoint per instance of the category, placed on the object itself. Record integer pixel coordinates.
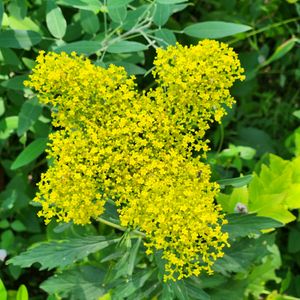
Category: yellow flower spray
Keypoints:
(142, 150)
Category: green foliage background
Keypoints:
(255, 152)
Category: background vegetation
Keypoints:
(259, 140)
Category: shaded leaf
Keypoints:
(235, 182)
(89, 21)
(80, 47)
(126, 46)
(19, 39)
(93, 5)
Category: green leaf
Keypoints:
(296, 113)
(214, 29)
(241, 225)
(22, 24)
(84, 282)
(10, 57)
(30, 112)
(81, 47)
(61, 253)
(170, 1)
(19, 39)
(3, 293)
(22, 293)
(179, 290)
(133, 284)
(126, 46)
(117, 10)
(165, 37)
(8, 126)
(92, 5)
(89, 21)
(1, 12)
(18, 226)
(55, 20)
(282, 50)
(235, 182)
(162, 13)
(30, 153)
(15, 83)
(130, 68)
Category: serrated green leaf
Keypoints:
(22, 293)
(61, 253)
(29, 113)
(81, 283)
(55, 20)
(126, 46)
(80, 47)
(241, 225)
(92, 5)
(89, 21)
(214, 29)
(235, 182)
(30, 153)
(162, 13)
(19, 39)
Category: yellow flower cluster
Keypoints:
(142, 150)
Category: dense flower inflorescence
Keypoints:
(142, 150)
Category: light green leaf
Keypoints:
(214, 29)
(22, 24)
(8, 126)
(30, 153)
(55, 20)
(92, 5)
(30, 112)
(89, 21)
(19, 39)
(235, 182)
(3, 293)
(240, 225)
(22, 293)
(61, 253)
(296, 113)
(117, 11)
(126, 46)
(81, 47)
(84, 282)
(162, 13)
(2, 107)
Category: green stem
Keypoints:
(255, 32)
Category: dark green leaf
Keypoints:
(214, 30)
(179, 290)
(130, 68)
(240, 225)
(30, 112)
(126, 46)
(15, 83)
(170, 1)
(162, 13)
(89, 21)
(30, 153)
(61, 253)
(84, 282)
(235, 182)
(55, 20)
(81, 47)
(1, 12)
(19, 39)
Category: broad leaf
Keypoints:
(61, 253)
(22, 293)
(82, 283)
(235, 182)
(81, 47)
(93, 5)
(214, 30)
(89, 21)
(162, 13)
(240, 225)
(19, 39)
(55, 20)
(30, 153)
